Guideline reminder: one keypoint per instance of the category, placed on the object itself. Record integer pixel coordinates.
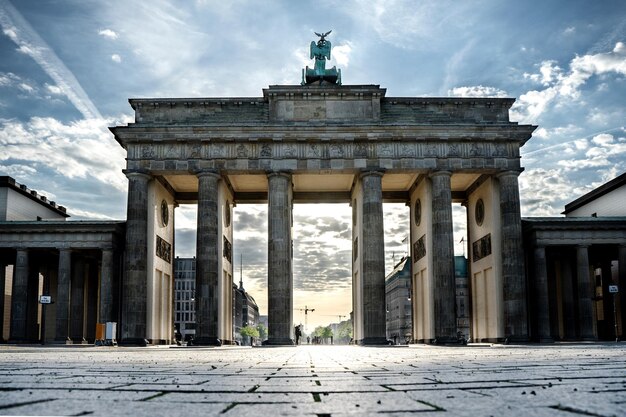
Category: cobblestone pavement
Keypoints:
(550, 380)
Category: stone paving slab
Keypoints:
(544, 380)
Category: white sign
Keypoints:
(613, 288)
(45, 299)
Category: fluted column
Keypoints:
(585, 295)
(106, 287)
(77, 301)
(622, 286)
(373, 273)
(63, 296)
(279, 254)
(207, 265)
(513, 277)
(19, 299)
(569, 305)
(134, 296)
(541, 295)
(2, 291)
(444, 288)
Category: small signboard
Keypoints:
(613, 288)
(45, 299)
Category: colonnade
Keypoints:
(81, 285)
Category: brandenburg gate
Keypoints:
(326, 142)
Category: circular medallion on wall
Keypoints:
(479, 212)
(418, 212)
(165, 213)
(227, 214)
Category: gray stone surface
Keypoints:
(207, 264)
(476, 380)
(280, 259)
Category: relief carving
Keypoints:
(476, 150)
(314, 151)
(289, 150)
(453, 150)
(196, 151)
(218, 151)
(384, 150)
(500, 150)
(431, 150)
(266, 151)
(147, 152)
(407, 150)
(360, 151)
(242, 151)
(336, 151)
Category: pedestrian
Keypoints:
(298, 334)
(178, 337)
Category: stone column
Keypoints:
(63, 296)
(2, 291)
(373, 248)
(513, 277)
(541, 295)
(19, 299)
(106, 287)
(134, 288)
(207, 264)
(279, 262)
(77, 302)
(586, 315)
(621, 271)
(569, 305)
(444, 288)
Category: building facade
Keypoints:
(398, 302)
(185, 296)
(574, 263)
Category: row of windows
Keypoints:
(184, 295)
(183, 306)
(185, 285)
(185, 316)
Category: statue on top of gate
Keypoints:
(321, 52)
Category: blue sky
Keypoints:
(68, 67)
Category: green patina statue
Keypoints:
(319, 74)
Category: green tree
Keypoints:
(262, 331)
(344, 332)
(249, 331)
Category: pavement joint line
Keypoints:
(575, 410)
(22, 404)
(157, 395)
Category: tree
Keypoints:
(262, 331)
(249, 331)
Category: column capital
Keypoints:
(206, 172)
(137, 173)
(371, 172)
(286, 174)
(438, 173)
(508, 173)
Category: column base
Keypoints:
(515, 339)
(133, 341)
(205, 341)
(450, 340)
(279, 342)
(373, 341)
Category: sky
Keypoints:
(68, 67)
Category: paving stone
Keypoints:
(550, 380)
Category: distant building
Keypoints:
(19, 203)
(246, 312)
(462, 297)
(397, 290)
(184, 296)
(608, 200)
(245, 309)
(574, 263)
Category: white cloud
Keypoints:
(341, 55)
(54, 89)
(26, 87)
(30, 43)
(81, 149)
(569, 30)
(116, 58)
(108, 33)
(477, 91)
(566, 85)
